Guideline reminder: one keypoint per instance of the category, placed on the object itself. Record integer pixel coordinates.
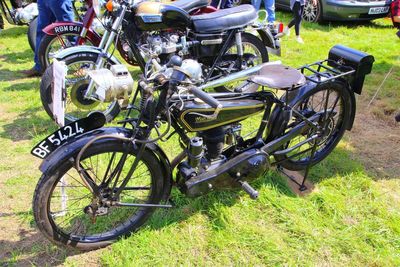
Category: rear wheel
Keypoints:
(32, 28)
(254, 53)
(333, 98)
(67, 213)
(52, 44)
(76, 83)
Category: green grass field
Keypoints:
(351, 217)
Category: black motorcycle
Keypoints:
(101, 183)
(147, 34)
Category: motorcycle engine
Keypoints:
(112, 84)
(207, 167)
(164, 43)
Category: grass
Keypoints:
(350, 218)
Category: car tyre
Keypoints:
(312, 13)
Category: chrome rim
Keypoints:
(311, 12)
(60, 43)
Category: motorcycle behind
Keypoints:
(148, 34)
(21, 14)
(101, 183)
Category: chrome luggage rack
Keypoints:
(325, 70)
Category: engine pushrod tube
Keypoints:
(237, 76)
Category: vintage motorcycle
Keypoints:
(21, 13)
(101, 183)
(147, 34)
(87, 31)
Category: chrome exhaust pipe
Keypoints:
(237, 76)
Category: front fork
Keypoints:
(104, 46)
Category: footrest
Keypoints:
(249, 190)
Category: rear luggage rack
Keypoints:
(322, 71)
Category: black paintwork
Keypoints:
(232, 111)
(170, 17)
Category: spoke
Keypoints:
(79, 182)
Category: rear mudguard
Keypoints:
(84, 49)
(73, 28)
(273, 46)
(276, 125)
(71, 149)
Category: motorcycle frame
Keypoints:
(257, 142)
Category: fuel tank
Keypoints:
(156, 16)
(232, 111)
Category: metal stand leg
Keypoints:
(302, 186)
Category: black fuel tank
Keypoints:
(156, 16)
(232, 111)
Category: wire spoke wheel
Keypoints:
(68, 212)
(60, 42)
(331, 104)
(254, 53)
(76, 83)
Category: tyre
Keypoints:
(254, 53)
(52, 44)
(333, 126)
(312, 13)
(32, 28)
(1, 22)
(76, 82)
(68, 214)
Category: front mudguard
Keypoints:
(71, 149)
(276, 124)
(72, 28)
(272, 44)
(85, 49)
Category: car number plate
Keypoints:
(378, 10)
(62, 135)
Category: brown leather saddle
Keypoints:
(278, 77)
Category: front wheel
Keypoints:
(67, 213)
(332, 99)
(32, 28)
(76, 83)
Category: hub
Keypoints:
(78, 96)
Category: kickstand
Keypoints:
(302, 186)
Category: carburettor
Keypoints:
(113, 84)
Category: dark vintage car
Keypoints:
(341, 10)
(338, 10)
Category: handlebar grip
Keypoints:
(206, 97)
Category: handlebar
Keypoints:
(207, 98)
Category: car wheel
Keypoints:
(312, 13)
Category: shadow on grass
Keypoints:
(17, 57)
(31, 248)
(338, 163)
(23, 86)
(14, 31)
(27, 125)
(10, 75)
